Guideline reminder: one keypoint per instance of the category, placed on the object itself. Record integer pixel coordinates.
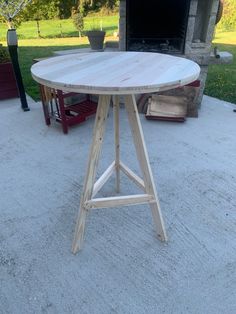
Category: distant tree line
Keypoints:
(58, 9)
(62, 9)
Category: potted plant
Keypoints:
(96, 38)
(96, 35)
(8, 86)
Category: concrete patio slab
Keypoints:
(122, 268)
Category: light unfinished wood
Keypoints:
(115, 73)
(119, 201)
(134, 121)
(98, 133)
(167, 106)
(103, 179)
(112, 74)
(135, 178)
(116, 107)
(147, 184)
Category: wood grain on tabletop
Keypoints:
(115, 72)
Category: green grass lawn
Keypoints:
(62, 28)
(40, 48)
(55, 35)
(221, 81)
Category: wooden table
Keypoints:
(111, 74)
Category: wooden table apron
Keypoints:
(111, 74)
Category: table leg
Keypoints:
(98, 133)
(143, 159)
(116, 107)
(45, 105)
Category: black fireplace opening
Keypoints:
(156, 25)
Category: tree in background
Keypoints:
(65, 8)
(228, 21)
(9, 9)
(78, 20)
(41, 10)
(87, 6)
(50, 9)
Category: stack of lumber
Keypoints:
(163, 107)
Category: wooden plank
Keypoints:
(119, 201)
(115, 73)
(135, 178)
(98, 134)
(167, 106)
(138, 137)
(103, 179)
(116, 108)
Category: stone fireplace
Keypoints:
(155, 27)
(178, 27)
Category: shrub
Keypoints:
(4, 56)
(78, 21)
(228, 21)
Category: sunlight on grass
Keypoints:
(52, 42)
(225, 38)
(62, 28)
(221, 79)
(69, 41)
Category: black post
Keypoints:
(12, 47)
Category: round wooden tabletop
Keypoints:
(115, 72)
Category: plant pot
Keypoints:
(96, 39)
(8, 85)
